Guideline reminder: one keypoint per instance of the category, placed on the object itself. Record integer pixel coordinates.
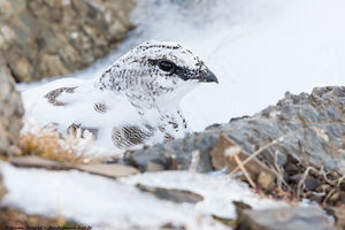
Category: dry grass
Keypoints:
(331, 188)
(50, 144)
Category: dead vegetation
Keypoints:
(11, 218)
(49, 144)
(293, 181)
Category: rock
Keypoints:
(225, 221)
(224, 155)
(175, 155)
(339, 215)
(171, 226)
(311, 183)
(11, 110)
(305, 129)
(46, 38)
(106, 170)
(174, 195)
(12, 218)
(294, 149)
(240, 206)
(37, 162)
(291, 218)
(266, 180)
(308, 128)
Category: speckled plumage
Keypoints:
(135, 101)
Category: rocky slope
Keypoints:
(296, 145)
(284, 218)
(44, 38)
(11, 110)
(309, 128)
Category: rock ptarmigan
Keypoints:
(134, 102)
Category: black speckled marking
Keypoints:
(130, 136)
(73, 129)
(100, 107)
(52, 95)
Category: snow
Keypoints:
(106, 203)
(259, 49)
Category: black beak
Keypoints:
(208, 76)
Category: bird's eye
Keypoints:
(167, 66)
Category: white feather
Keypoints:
(136, 101)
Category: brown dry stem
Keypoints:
(243, 169)
(50, 144)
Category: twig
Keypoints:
(279, 173)
(323, 173)
(302, 180)
(195, 161)
(280, 139)
(329, 196)
(340, 180)
(243, 169)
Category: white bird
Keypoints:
(134, 102)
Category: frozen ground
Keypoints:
(259, 49)
(110, 204)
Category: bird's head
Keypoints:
(163, 70)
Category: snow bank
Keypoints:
(105, 203)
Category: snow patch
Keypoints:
(105, 203)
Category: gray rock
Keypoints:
(177, 154)
(11, 110)
(44, 38)
(311, 128)
(106, 170)
(174, 195)
(291, 218)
